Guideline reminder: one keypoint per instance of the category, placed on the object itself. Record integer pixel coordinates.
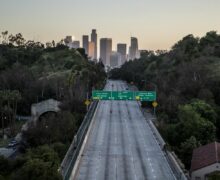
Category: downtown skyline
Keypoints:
(101, 49)
(157, 24)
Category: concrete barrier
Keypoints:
(75, 147)
(178, 172)
(157, 135)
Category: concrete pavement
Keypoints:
(121, 144)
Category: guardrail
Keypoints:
(74, 149)
(178, 172)
(157, 135)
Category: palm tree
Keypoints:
(1, 109)
(9, 100)
(5, 38)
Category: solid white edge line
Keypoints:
(76, 166)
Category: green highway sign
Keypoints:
(124, 95)
(146, 95)
(101, 95)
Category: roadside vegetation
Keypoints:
(29, 73)
(187, 80)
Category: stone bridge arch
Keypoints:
(42, 107)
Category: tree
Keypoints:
(9, 100)
(210, 39)
(49, 44)
(36, 169)
(53, 44)
(5, 166)
(189, 71)
(188, 45)
(52, 128)
(45, 153)
(16, 39)
(193, 124)
(205, 110)
(186, 149)
(5, 37)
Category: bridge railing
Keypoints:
(178, 172)
(74, 149)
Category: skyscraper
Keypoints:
(122, 49)
(115, 59)
(85, 40)
(91, 50)
(74, 44)
(133, 50)
(105, 50)
(94, 39)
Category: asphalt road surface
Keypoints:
(121, 145)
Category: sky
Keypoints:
(158, 24)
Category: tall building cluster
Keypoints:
(90, 46)
(71, 43)
(107, 56)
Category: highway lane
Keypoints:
(121, 145)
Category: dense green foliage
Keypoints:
(30, 73)
(38, 163)
(187, 80)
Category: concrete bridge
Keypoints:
(42, 107)
(37, 110)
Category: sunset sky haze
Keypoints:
(157, 24)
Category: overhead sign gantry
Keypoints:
(124, 95)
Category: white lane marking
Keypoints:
(116, 140)
(99, 152)
(103, 124)
(141, 137)
(156, 142)
(130, 149)
(76, 167)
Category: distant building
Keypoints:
(85, 40)
(74, 45)
(115, 59)
(206, 162)
(94, 39)
(133, 49)
(122, 49)
(91, 50)
(105, 50)
(68, 40)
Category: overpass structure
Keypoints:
(42, 107)
(120, 144)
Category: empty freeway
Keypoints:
(121, 145)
